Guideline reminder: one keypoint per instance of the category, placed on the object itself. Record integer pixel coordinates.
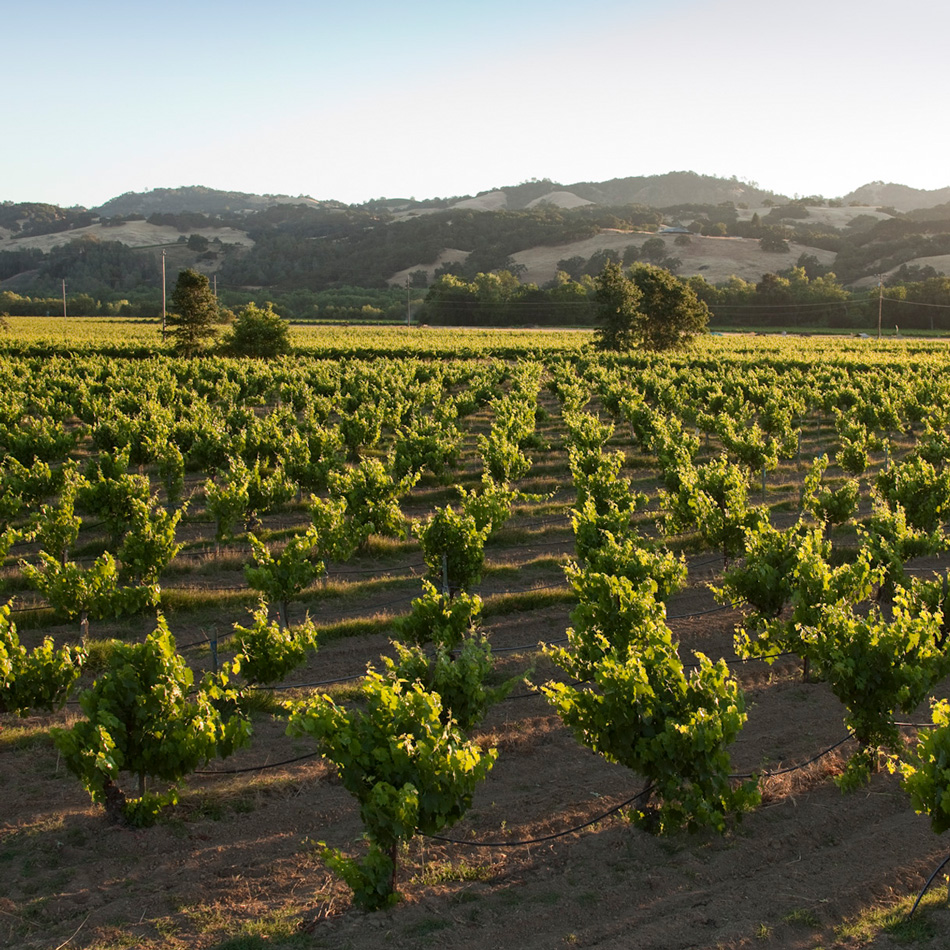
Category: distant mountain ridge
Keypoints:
(677, 188)
(900, 197)
(655, 191)
(195, 199)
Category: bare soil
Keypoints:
(238, 856)
(236, 864)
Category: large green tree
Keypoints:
(670, 313)
(618, 301)
(195, 312)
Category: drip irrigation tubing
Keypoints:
(283, 686)
(930, 881)
(30, 609)
(740, 660)
(526, 590)
(374, 570)
(701, 613)
(551, 837)
(794, 768)
(256, 768)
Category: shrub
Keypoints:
(259, 332)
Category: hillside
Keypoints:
(283, 244)
(900, 197)
(194, 198)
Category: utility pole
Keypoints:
(880, 302)
(64, 298)
(408, 304)
(163, 295)
(215, 286)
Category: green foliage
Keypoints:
(56, 527)
(440, 619)
(829, 506)
(96, 591)
(638, 560)
(196, 313)
(490, 507)
(426, 444)
(408, 769)
(171, 468)
(267, 652)
(669, 314)
(461, 660)
(245, 493)
(598, 477)
(259, 331)
(453, 548)
(926, 770)
(789, 569)
(267, 489)
(39, 679)
(227, 501)
(714, 500)
(877, 664)
(591, 529)
(635, 705)
(922, 490)
(855, 442)
(456, 675)
(372, 497)
(149, 546)
(279, 578)
(766, 578)
(888, 541)
(337, 536)
(618, 309)
(773, 242)
(111, 493)
(142, 717)
(502, 456)
(361, 428)
(586, 431)
(748, 444)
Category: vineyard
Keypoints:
(472, 639)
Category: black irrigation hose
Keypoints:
(930, 881)
(256, 768)
(205, 590)
(549, 544)
(374, 570)
(26, 610)
(716, 560)
(739, 660)
(799, 766)
(550, 837)
(285, 686)
(701, 613)
(527, 590)
(530, 646)
(215, 639)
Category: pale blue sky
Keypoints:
(360, 100)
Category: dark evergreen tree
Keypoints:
(196, 312)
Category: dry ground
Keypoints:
(237, 857)
(235, 865)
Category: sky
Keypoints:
(352, 101)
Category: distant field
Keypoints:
(121, 333)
